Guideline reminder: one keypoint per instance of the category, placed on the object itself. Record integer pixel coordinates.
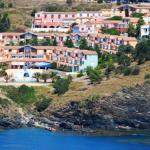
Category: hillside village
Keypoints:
(65, 54)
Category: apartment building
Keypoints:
(127, 10)
(96, 26)
(72, 59)
(107, 43)
(61, 21)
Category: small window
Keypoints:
(66, 16)
(10, 50)
(59, 16)
(45, 16)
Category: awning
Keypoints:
(42, 65)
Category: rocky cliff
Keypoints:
(127, 109)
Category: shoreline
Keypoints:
(109, 133)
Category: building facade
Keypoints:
(70, 59)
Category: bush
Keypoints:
(95, 76)
(4, 102)
(137, 15)
(116, 18)
(127, 71)
(80, 74)
(61, 86)
(22, 94)
(135, 70)
(42, 105)
(147, 76)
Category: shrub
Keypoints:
(22, 94)
(127, 71)
(147, 76)
(95, 76)
(116, 18)
(61, 86)
(135, 70)
(80, 74)
(4, 102)
(137, 15)
(42, 105)
(70, 78)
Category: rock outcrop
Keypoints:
(127, 109)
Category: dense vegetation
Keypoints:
(21, 95)
(4, 22)
(43, 104)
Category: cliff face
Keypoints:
(127, 109)
(10, 116)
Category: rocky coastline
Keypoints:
(126, 110)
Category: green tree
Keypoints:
(131, 30)
(69, 43)
(83, 44)
(61, 86)
(53, 76)
(33, 12)
(34, 42)
(97, 49)
(127, 49)
(4, 22)
(138, 27)
(54, 42)
(95, 76)
(142, 51)
(45, 76)
(37, 76)
(112, 31)
(137, 15)
(116, 18)
(123, 59)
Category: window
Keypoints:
(10, 50)
(73, 16)
(38, 15)
(52, 16)
(45, 16)
(59, 16)
(66, 16)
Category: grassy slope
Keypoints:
(20, 13)
(80, 91)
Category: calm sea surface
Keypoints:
(39, 139)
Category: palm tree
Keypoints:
(45, 76)
(53, 76)
(7, 77)
(37, 76)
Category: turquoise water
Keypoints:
(39, 139)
